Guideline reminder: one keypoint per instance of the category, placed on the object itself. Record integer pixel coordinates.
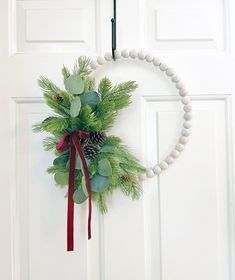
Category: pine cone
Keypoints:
(57, 98)
(127, 178)
(84, 141)
(98, 138)
(90, 151)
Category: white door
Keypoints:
(182, 227)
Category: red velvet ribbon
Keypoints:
(73, 140)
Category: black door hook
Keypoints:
(114, 30)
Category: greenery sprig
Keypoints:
(80, 107)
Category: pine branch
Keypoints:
(67, 98)
(128, 162)
(104, 87)
(124, 88)
(132, 188)
(49, 143)
(50, 89)
(113, 141)
(47, 86)
(89, 84)
(58, 108)
(120, 94)
(88, 119)
(52, 124)
(105, 111)
(81, 67)
(113, 99)
(99, 198)
(65, 72)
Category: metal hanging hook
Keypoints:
(114, 30)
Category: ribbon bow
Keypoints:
(73, 140)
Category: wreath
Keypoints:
(88, 160)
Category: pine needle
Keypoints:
(52, 124)
(57, 107)
(81, 67)
(65, 72)
(104, 87)
(113, 99)
(49, 143)
(47, 86)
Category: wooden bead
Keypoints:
(175, 153)
(163, 67)
(179, 85)
(170, 159)
(142, 176)
(188, 108)
(183, 140)
(149, 58)
(175, 79)
(185, 132)
(185, 100)
(163, 164)
(183, 92)
(125, 53)
(170, 72)
(179, 147)
(133, 53)
(188, 116)
(187, 124)
(141, 55)
(93, 64)
(156, 61)
(108, 56)
(150, 173)
(100, 60)
(157, 169)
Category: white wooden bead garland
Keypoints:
(183, 93)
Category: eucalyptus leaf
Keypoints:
(107, 148)
(61, 178)
(99, 183)
(104, 167)
(90, 98)
(61, 160)
(79, 196)
(74, 84)
(79, 163)
(84, 185)
(92, 169)
(75, 107)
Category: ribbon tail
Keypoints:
(71, 189)
(78, 147)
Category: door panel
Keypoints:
(182, 227)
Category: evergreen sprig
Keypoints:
(96, 112)
(65, 72)
(52, 124)
(50, 142)
(113, 99)
(47, 86)
(57, 108)
(81, 67)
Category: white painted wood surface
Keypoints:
(183, 226)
